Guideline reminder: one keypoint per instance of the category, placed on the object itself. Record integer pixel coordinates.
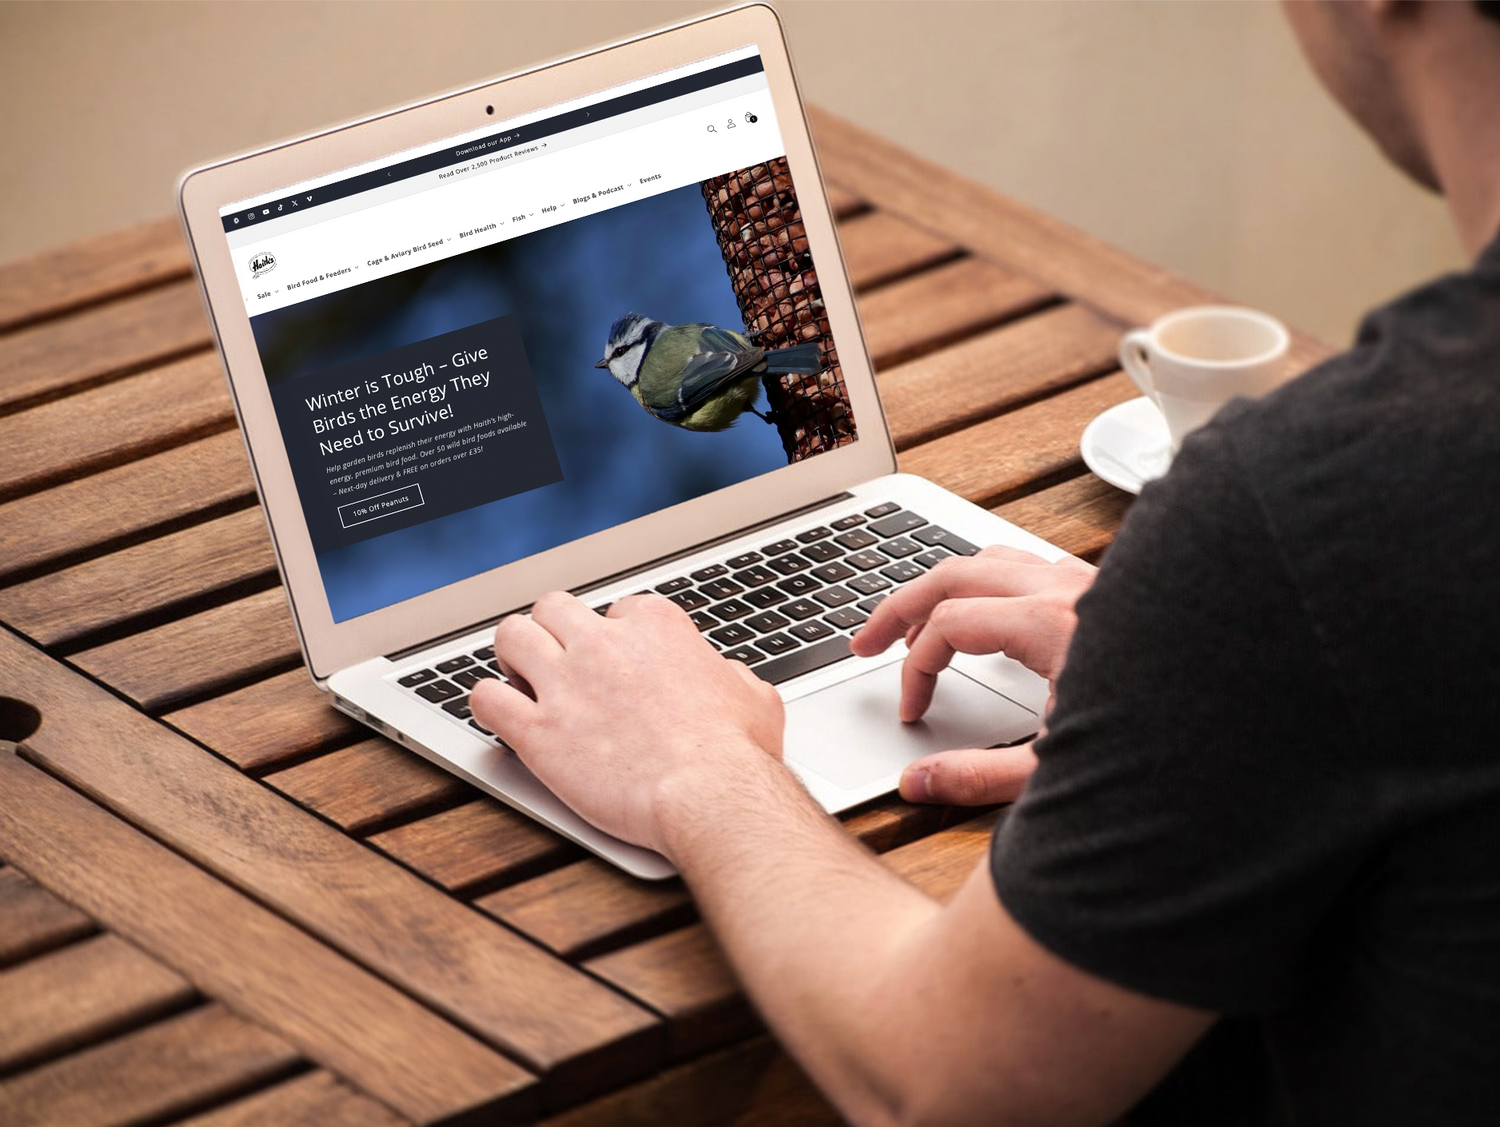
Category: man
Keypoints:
(1258, 852)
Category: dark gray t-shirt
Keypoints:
(1271, 786)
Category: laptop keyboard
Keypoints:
(785, 609)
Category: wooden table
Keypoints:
(221, 902)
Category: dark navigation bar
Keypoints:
(489, 146)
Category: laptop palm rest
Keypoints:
(849, 733)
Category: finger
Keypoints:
(564, 617)
(645, 603)
(524, 649)
(959, 577)
(972, 626)
(969, 777)
(504, 710)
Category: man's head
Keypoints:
(1422, 77)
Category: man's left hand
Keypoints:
(622, 706)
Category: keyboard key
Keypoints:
(454, 663)
(603, 609)
(780, 548)
(869, 605)
(485, 654)
(844, 524)
(799, 585)
(903, 571)
(867, 561)
(932, 557)
(733, 634)
(471, 677)
(730, 609)
(690, 600)
(744, 560)
(869, 584)
(882, 510)
(745, 654)
(804, 660)
(833, 573)
(897, 523)
(420, 677)
(672, 586)
(480, 728)
(754, 576)
(856, 540)
(801, 608)
(720, 588)
(900, 548)
(823, 552)
(438, 691)
(459, 708)
(846, 618)
(766, 622)
(495, 665)
(812, 534)
(775, 644)
(703, 620)
(811, 631)
(712, 571)
(835, 596)
(935, 537)
(763, 597)
(789, 564)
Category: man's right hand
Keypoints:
(999, 601)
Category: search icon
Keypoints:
(711, 129)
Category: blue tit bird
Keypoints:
(698, 377)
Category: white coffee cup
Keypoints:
(1192, 361)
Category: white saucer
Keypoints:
(1128, 445)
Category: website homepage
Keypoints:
(508, 340)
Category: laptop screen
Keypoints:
(506, 340)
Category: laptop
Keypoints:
(586, 327)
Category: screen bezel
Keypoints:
(328, 645)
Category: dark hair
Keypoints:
(1489, 8)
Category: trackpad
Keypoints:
(851, 735)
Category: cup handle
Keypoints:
(1135, 351)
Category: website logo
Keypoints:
(262, 263)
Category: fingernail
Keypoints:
(916, 785)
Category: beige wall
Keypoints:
(1189, 133)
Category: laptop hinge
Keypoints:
(408, 651)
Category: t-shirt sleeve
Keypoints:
(1183, 834)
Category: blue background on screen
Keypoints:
(565, 285)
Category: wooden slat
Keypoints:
(534, 1006)
(71, 353)
(118, 422)
(32, 920)
(938, 307)
(842, 202)
(996, 370)
(751, 1083)
(1021, 238)
(194, 655)
(58, 607)
(585, 907)
(45, 284)
(879, 247)
(474, 845)
(314, 1099)
(993, 460)
(241, 953)
(1079, 516)
(683, 974)
(167, 1068)
(123, 502)
(270, 722)
(372, 782)
(78, 995)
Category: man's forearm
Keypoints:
(815, 926)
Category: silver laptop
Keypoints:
(586, 327)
